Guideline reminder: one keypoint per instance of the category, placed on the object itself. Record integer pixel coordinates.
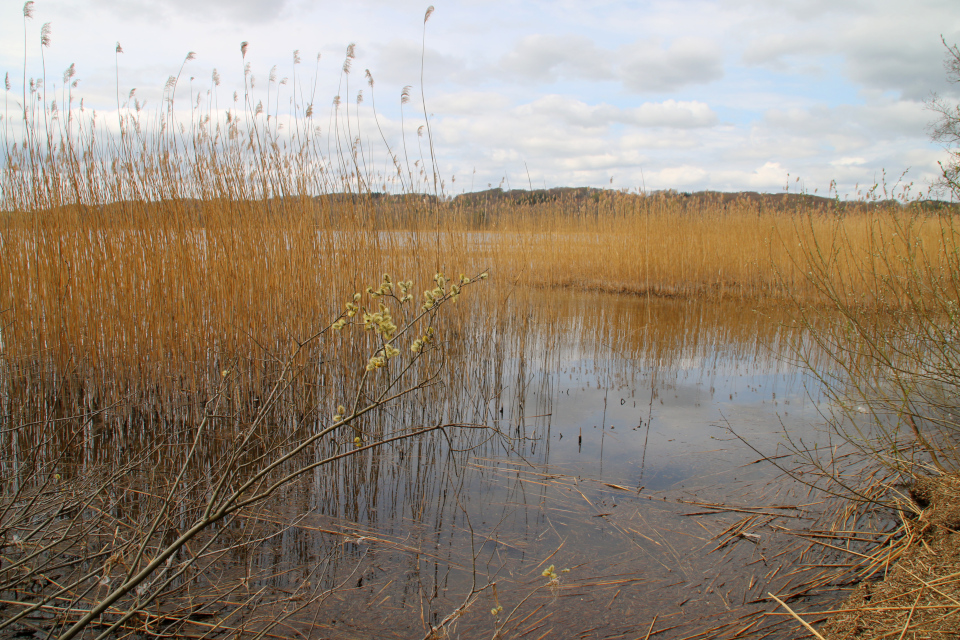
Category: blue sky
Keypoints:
(688, 94)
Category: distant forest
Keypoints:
(764, 201)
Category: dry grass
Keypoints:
(717, 247)
(160, 246)
(144, 291)
(155, 277)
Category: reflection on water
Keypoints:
(615, 408)
(616, 419)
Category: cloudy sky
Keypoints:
(682, 94)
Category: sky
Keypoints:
(689, 95)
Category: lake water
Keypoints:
(620, 417)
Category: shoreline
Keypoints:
(918, 592)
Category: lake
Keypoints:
(623, 423)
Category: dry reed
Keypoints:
(155, 277)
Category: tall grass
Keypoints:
(168, 282)
(137, 292)
(157, 246)
(720, 247)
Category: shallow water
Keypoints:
(613, 426)
(608, 435)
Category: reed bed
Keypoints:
(173, 355)
(153, 247)
(125, 291)
(714, 246)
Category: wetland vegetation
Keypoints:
(252, 385)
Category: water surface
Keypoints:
(619, 417)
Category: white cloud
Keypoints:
(711, 93)
(669, 113)
(644, 66)
(467, 103)
(881, 121)
(673, 113)
(659, 139)
(682, 176)
(398, 61)
(771, 176)
(877, 45)
(848, 162)
(235, 10)
(649, 67)
(548, 58)
(771, 50)
(900, 55)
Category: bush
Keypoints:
(946, 130)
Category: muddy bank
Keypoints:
(918, 595)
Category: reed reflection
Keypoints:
(603, 409)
